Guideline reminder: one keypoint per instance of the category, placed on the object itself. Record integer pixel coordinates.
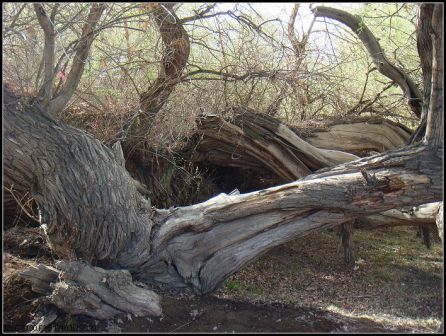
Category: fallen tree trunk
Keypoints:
(92, 209)
(260, 142)
(423, 215)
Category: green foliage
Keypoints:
(335, 73)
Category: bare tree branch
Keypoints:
(77, 68)
(372, 45)
(47, 25)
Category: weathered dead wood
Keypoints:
(45, 157)
(188, 236)
(237, 143)
(423, 215)
(201, 245)
(359, 136)
(78, 288)
(91, 208)
(261, 142)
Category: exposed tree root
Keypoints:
(78, 288)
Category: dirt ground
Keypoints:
(302, 286)
(211, 314)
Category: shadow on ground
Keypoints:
(211, 314)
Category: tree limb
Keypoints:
(372, 45)
(77, 68)
(48, 28)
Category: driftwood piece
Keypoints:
(78, 288)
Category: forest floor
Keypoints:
(303, 286)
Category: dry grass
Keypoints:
(19, 302)
(396, 282)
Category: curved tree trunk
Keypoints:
(380, 60)
(174, 58)
(137, 152)
(93, 210)
(261, 142)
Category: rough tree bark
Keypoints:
(91, 209)
(261, 142)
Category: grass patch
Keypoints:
(397, 281)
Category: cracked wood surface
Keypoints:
(93, 210)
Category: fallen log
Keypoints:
(91, 208)
(260, 142)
